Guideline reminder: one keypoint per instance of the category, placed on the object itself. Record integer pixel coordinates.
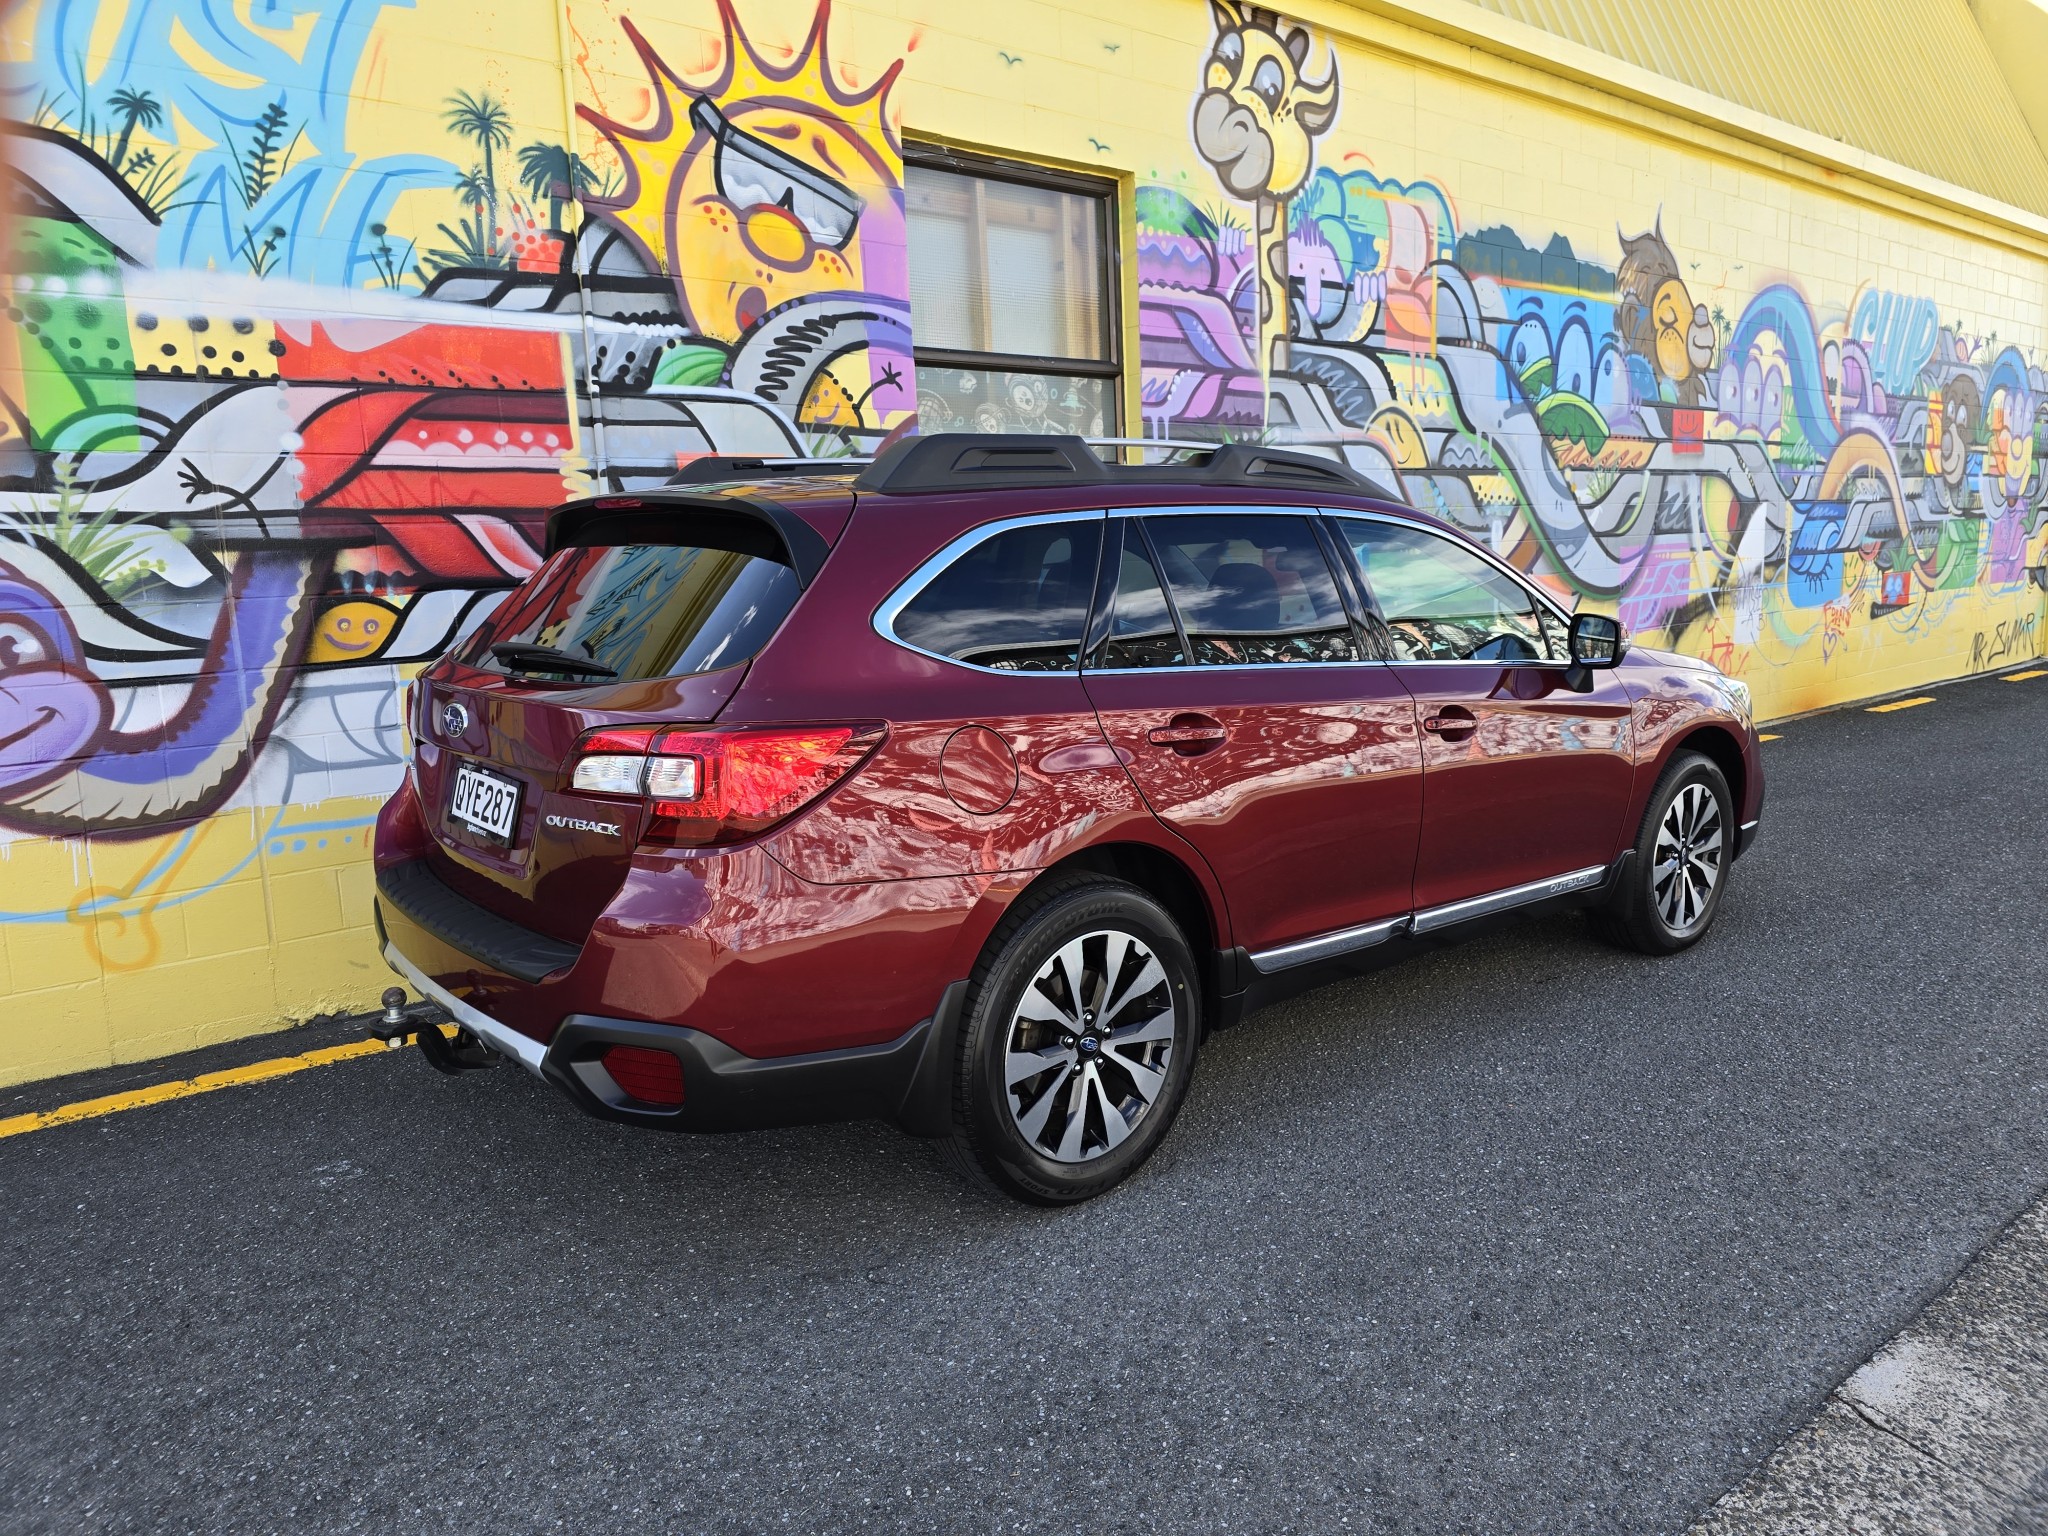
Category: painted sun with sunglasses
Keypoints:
(769, 184)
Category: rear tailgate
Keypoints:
(650, 616)
(565, 854)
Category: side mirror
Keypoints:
(1597, 640)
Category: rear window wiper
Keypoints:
(524, 657)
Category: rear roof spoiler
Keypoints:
(655, 516)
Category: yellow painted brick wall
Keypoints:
(1774, 413)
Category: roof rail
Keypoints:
(963, 461)
(729, 466)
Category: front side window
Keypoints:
(1252, 589)
(1015, 602)
(1442, 602)
(1013, 321)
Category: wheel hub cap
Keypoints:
(1686, 862)
(1090, 1046)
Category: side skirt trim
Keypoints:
(1327, 946)
(1432, 918)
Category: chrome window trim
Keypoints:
(1310, 515)
(1339, 514)
(908, 590)
(1236, 666)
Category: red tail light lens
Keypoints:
(721, 785)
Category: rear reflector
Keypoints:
(651, 1076)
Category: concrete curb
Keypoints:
(1943, 1432)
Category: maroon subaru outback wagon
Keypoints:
(972, 789)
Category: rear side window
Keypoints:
(1141, 628)
(1015, 602)
(646, 610)
(1252, 589)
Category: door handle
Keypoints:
(1453, 722)
(1189, 735)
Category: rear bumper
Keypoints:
(904, 1080)
(537, 1002)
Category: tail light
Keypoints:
(704, 787)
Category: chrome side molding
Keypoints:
(1326, 946)
(1433, 918)
(499, 1037)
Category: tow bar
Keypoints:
(423, 1020)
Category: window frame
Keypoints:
(912, 587)
(1367, 622)
(1373, 649)
(1366, 595)
(1022, 173)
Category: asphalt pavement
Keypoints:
(1526, 1236)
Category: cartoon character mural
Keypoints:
(1255, 124)
(772, 197)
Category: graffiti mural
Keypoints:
(315, 308)
(1784, 485)
(288, 389)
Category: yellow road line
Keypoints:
(207, 1082)
(1768, 736)
(2026, 677)
(1885, 709)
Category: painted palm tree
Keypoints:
(485, 123)
(133, 108)
(550, 171)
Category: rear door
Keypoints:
(1239, 693)
(1525, 779)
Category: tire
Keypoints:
(1129, 1072)
(1661, 909)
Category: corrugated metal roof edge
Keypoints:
(1488, 32)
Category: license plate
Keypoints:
(485, 803)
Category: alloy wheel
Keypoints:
(1687, 860)
(1089, 1046)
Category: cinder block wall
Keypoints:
(308, 326)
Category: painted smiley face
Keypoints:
(52, 711)
(351, 630)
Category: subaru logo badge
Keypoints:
(454, 719)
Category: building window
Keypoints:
(1012, 303)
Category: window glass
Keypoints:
(1444, 603)
(1141, 628)
(1017, 601)
(1004, 266)
(953, 399)
(644, 610)
(1252, 589)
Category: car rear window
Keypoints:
(646, 610)
(1015, 602)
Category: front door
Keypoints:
(1254, 726)
(1525, 780)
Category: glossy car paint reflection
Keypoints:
(1524, 779)
(1308, 810)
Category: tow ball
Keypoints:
(423, 1021)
